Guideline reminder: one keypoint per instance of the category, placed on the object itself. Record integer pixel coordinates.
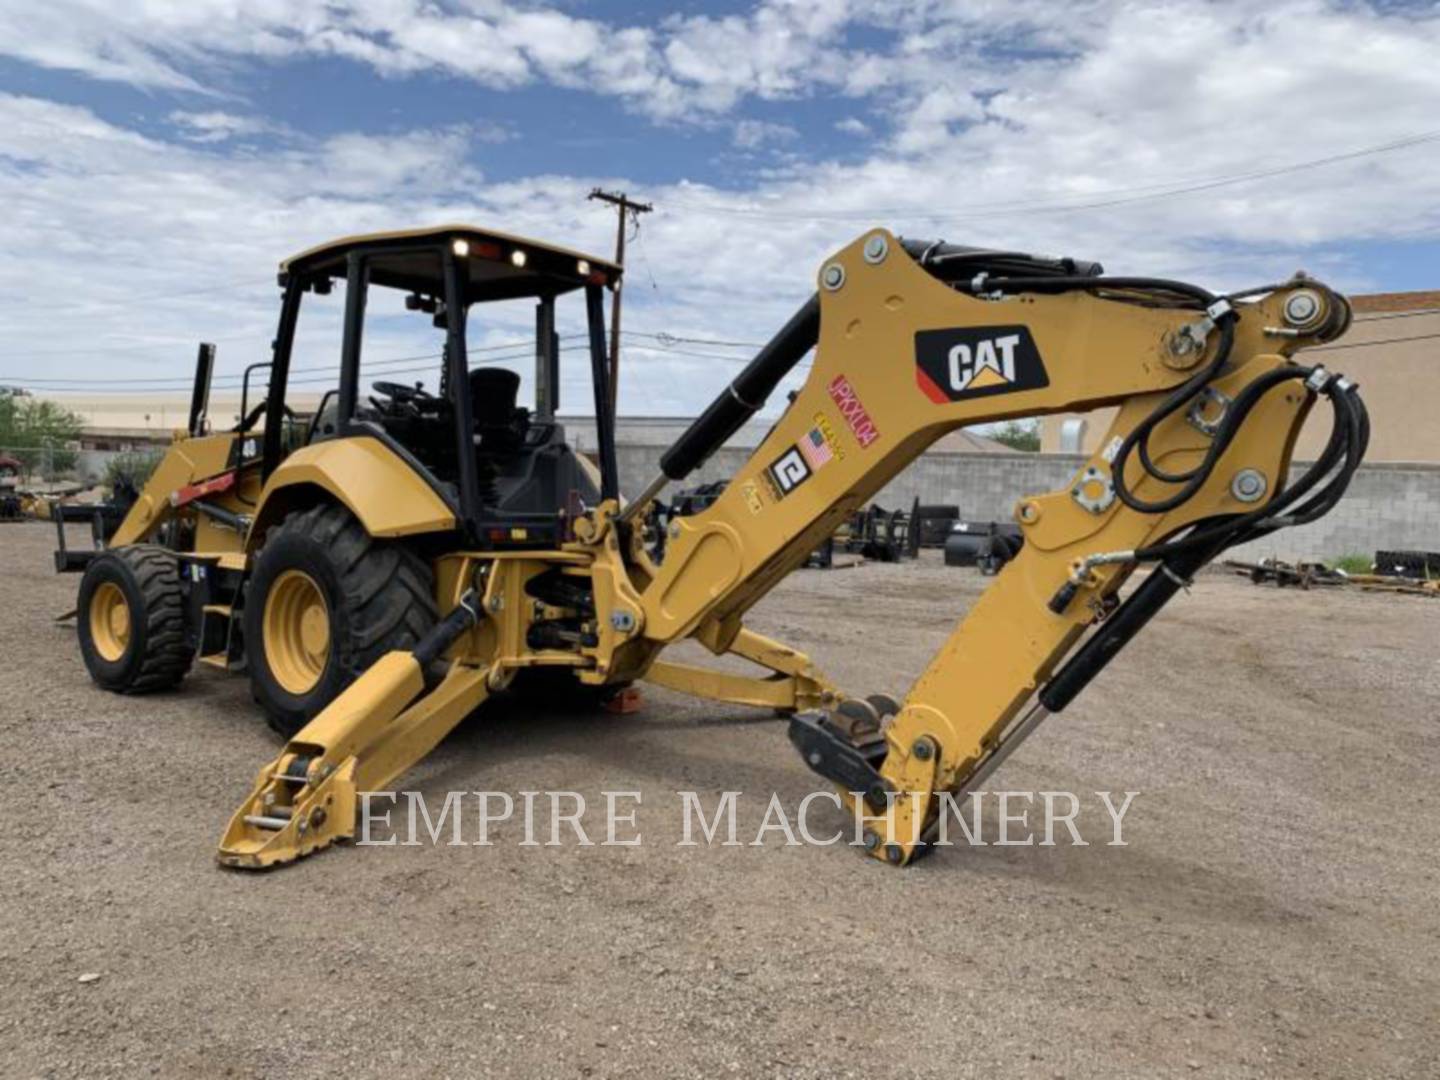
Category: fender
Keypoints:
(376, 484)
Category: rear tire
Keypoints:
(327, 600)
(131, 620)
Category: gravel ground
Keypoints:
(1274, 912)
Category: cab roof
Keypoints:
(501, 266)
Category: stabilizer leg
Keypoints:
(305, 799)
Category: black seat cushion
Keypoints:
(499, 425)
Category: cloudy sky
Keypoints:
(158, 158)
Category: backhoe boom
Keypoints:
(914, 341)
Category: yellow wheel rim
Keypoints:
(109, 621)
(297, 632)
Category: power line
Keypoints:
(690, 352)
(666, 338)
(307, 376)
(1368, 344)
(174, 382)
(1397, 315)
(175, 343)
(250, 283)
(521, 348)
(1102, 200)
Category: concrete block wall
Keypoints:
(1389, 505)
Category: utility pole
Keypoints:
(625, 208)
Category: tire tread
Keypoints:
(386, 585)
(168, 654)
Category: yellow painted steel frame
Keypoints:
(793, 685)
(369, 478)
(186, 461)
(864, 395)
(386, 721)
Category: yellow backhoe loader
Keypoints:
(383, 566)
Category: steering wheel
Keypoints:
(400, 393)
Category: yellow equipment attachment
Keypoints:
(911, 343)
(911, 340)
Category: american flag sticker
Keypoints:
(816, 448)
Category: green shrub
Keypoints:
(132, 467)
(1352, 564)
(1017, 434)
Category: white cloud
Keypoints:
(753, 134)
(1000, 116)
(216, 126)
(687, 67)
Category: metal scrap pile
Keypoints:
(1413, 573)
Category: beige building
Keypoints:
(129, 421)
(1392, 350)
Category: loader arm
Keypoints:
(913, 342)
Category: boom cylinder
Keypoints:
(737, 403)
(744, 397)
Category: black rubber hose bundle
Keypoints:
(1345, 449)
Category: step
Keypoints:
(212, 635)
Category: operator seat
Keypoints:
(527, 472)
(499, 425)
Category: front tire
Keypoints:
(326, 600)
(131, 620)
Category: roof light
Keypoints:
(518, 258)
(583, 267)
(461, 248)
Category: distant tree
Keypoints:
(1018, 435)
(131, 469)
(38, 433)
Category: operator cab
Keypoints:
(455, 414)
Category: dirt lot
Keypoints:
(1274, 912)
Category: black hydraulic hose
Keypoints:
(1356, 442)
(1182, 396)
(444, 633)
(1178, 398)
(1235, 415)
(1139, 437)
(1203, 297)
(954, 263)
(1180, 559)
(1346, 447)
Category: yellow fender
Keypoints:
(388, 496)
